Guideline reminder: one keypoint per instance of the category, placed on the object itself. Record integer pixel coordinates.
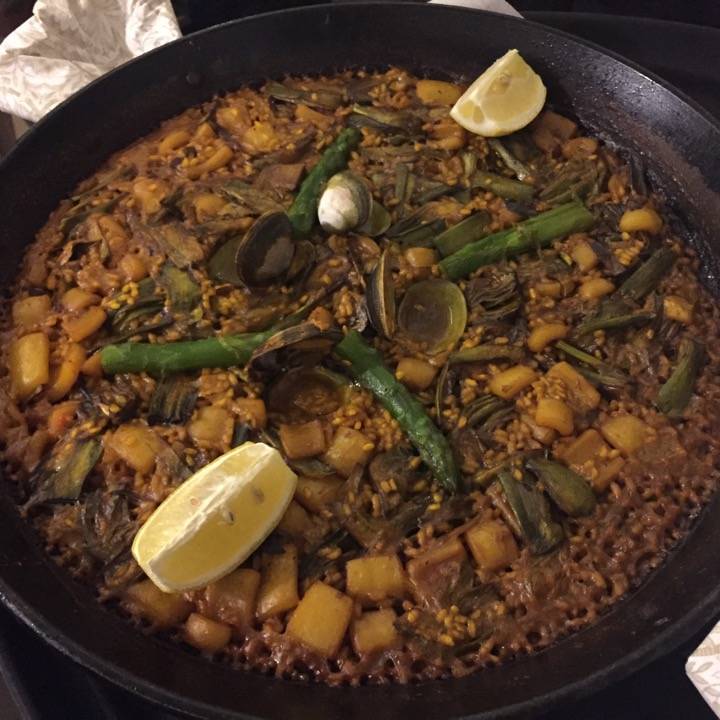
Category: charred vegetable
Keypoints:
(368, 369)
(486, 353)
(469, 230)
(324, 99)
(303, 211)
(536, 232)
(433, 315)
(568, 490)
(107, 526)
(63, 477)
(173, 401)
(531, 513)
(502, 186)
(675, 394)
(182, 291)
(603, 373)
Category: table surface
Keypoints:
(38, 682)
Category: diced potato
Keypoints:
(252, 411)
(67, 373)
(279, 586)
(84, 326)
(233, 598)
(307, 114)
(93, 365)
(61, 417)
(304, 440)
(588, 455)
(642, 220)
(626, 432)
(510, 382)
(31, 311)
(678, 308)
(437, 92)
(447, 135)
(115, 235)
(137, 445)
(558, 125)
(416, 374)
(163, 610)
(374, 631)
(375, 578)
(207, 205)
(211, 427)
(422, 569)
(595, 288)
(555, 414)
(317, 493)
(133, 267)
(260, 137)
(203, 134)
(348, 449)
(321, 619)
(206, 635)
(543, 335)
(173, 140)
(421, 257)
(29, 364)
(583, 254)
(549, 288)
(149, 194)
(76, 299)
(295, 522)
(322, 318)
(221, 157)
(581, 393)
(492, 545)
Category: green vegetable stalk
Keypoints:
(536, 232)
(502, 186)
(367, 368)
(303, 211)
(675, 394)
(162, 358)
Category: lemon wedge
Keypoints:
(506, 97)
(215, 519)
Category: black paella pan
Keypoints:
(615, 100)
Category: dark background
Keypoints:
(36, 682)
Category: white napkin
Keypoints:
(703, 668)
(68, 43)
(498, 6)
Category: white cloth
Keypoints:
(68, 43)
(498, 6)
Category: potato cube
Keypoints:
(67, 373)
(437, 92)
(321, 619)
(84, 326)
(588, 455)
(510, 382)
(137, 445)
(544, 435)
(549, 288)
(315, 494)
(374, 631)
(279, 586)
(421, 257)
(375, 578)
(29, 364)
(595, 288)
(304, 440)
(583, 254)
(543, 335)
(232, 598)
(348, 449)
(416, 374)
(295, 522)
(626, 432)
(582, 395)
(641, 220)
(211, 427)
(29, 312)
(555, 414)
(492, 545)
(252, 411)
(163, 610)
(205, 634)
(76, 299)
(678, 308)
